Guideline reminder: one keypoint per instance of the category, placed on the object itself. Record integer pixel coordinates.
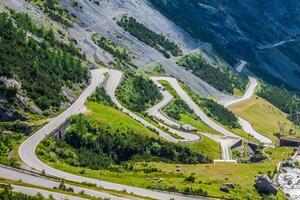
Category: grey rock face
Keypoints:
(10, 115)
(264, 185)
(264, 33)
(28, 105)
(10, 82)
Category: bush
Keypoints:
(144, 34)
(100, 96)
(42, 67)
(138, 93)
(220, 113)
(190, 178)
(117, 52)
(221, 79)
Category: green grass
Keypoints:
(212, 176)
(114, 118)
(198, 124)
(208, 176)
(237, 92)
(243, 134)
(263, 116)
(169, 88)
(207, 147)
(197, 100)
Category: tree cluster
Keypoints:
(220, 79)
(87, 144)
(24, 22)
(100, 96)
(285, 100)
(42, 68)
(138, 93)
(56, 11)
(177, 107)
(117, 52)
(220, 113)
(144, 34)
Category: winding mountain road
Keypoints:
(247, 96)
(155, 111)
(114, 79)
(247, 127)
(185, 97)
(28, 147)
(230, 138)
(35, 179)
(45, 193)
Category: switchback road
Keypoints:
(27, 148)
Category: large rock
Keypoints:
(8, 114)
(226, 187)
(264, 185)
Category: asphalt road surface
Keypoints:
(204, 118)
(27, 148)
(115, 78)
(230, 138)
(34, 179)
(155, 111)
(44, 193)
(247, 127)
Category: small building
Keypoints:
(187, 127)
(289, 141)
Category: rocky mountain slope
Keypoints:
(100, 17)
(265, 33)
(228, 29)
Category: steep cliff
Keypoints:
(265, 33)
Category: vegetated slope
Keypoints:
(40, 68)
(55, 11)
(102, 18)
(119, 53)
(287, 101)
(38, 74)
(137, 92)
(244, 29)
(144, 34)
(88, 144)
(108, 116)
(263, 116)
(221, 78)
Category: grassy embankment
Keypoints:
(115, 118)
(206, 146)
(209, 177)
(238, 131)
(263, 116)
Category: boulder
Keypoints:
(226, 187)
(264, 185)
(288, 163)
(7, 115)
